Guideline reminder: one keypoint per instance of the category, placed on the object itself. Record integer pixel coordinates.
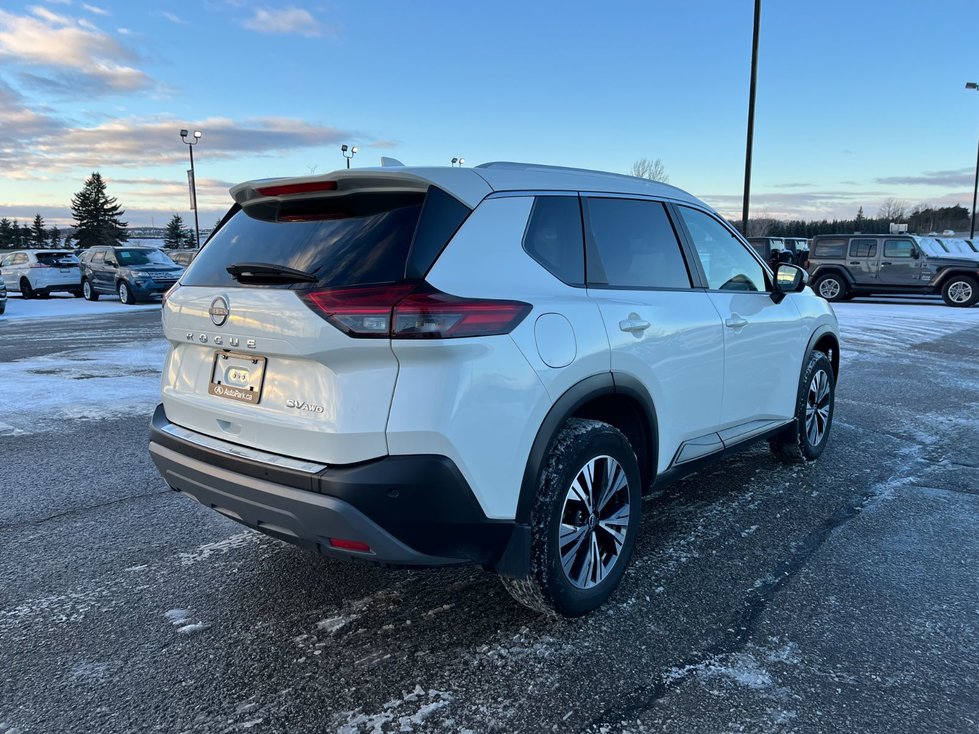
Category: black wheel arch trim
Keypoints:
(822, 270)
(596, 386)
(817, 335)
(952, 271)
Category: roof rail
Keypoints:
(515, 166)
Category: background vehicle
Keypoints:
(39, 273)
(3, 296)
(845, 266)
(420, 366)
(183, 258)
(133, 273)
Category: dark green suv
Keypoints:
(842, 267)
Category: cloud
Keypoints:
(286, 20)
(60, 54)
(21, 124)
(957, 177)
(790, 185)
(173, 18)
(95, 10)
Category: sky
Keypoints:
(857, 101)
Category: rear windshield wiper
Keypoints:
(269, 273)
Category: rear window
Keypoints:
(863, 248)
(830, 249)
(358, 239)
(57, 258)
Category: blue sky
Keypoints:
(857, 101)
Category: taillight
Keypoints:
(413, 311)
(169, 292)
(38, 265)
(350, 545)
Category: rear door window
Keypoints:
(830, 249)
(553, 237)
(898, 248)
(863, 248)
(632, 244)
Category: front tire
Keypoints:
(832, 287)
(961, 291)
(584, 521)
(88, 291)
(806, 438)
(126, 294)
(26, 289)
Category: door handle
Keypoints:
(735, 322)
(634, 326)
(854, 262)
(887, 263)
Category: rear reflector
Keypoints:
(413, 311)
(351, 545)
(297, 188)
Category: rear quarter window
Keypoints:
(553, 237)
(830, 249)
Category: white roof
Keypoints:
(472, 185)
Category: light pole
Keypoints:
(975, 186)
(457, 162)
(751, 120)
(193, 180)
(352, 150)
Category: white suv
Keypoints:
(39, 273)
(431, 366)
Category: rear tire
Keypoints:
(582, 531)
(88, 291)
(26, 290)
(961, 291)
(806, 438)
(77, 293)
(832, 287)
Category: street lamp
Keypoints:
(458, 161)
(975, 186)
(345, 149)
(193, 181)
(751, 120)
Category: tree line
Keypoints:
(921, 219)
(98, 220)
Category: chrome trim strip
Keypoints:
(226, 447)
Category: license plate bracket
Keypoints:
(237, 377)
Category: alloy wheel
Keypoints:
(594, 522)
(960, 291)
(817, 407)
(830, 288)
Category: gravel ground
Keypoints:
(839, 596)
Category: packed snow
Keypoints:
(60, 306)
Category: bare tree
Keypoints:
(893, 210)
(653, 170)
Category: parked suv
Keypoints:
(431, 366)
(133, 273)
(845, 266)
(39, 273)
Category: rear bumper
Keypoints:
(411, 510)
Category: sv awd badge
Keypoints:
(303, 405)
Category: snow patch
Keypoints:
(220, 547)
(67, 306)
(412, 710)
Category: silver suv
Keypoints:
(845, 266)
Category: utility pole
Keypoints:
(751, 120)
(193, 181)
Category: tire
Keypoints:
(77, 293)
(88, 291)
(960, 291)
(125, 294)
(806, 438)
(562, 506)
(26, 290)
(42, 294)
(831, 286)
(3, 307)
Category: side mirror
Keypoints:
(788, 279)
(915, 254)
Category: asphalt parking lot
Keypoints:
(839, 596)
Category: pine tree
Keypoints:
(54, 236)
(175, 233)
(98, 217)
(6, 234)
(67, 243)
(39, 236)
